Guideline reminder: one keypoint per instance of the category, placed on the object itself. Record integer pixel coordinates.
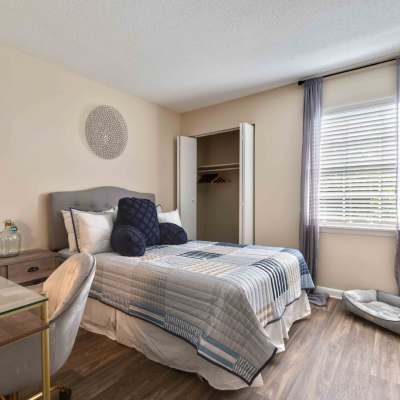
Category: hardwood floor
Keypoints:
(330, 356)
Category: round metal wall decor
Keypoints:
(106, 132)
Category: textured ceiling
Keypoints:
(186, 54)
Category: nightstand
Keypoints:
(30, 267)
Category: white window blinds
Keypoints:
(358, 167)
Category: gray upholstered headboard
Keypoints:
(95, 199)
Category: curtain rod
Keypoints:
(352, 69)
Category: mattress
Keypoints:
(219, 298)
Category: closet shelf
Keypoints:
(218, 167)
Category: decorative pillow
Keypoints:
(172, 234)
(171, 217)
(70, 228)
(142, 214)
(94, 233)
(128, 241)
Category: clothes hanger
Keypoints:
(218, 179)
(212, 178)
(207, 177)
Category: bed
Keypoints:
(220, 310)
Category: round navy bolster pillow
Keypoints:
(128, 241)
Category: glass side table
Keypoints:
(15, 299)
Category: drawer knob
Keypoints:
(33, 269)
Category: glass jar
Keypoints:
(10, 241)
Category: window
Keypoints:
(358, 167)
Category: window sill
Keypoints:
(346, 230)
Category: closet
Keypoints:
(215, 185)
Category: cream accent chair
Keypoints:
(68, 289)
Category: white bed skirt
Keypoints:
(164, 348)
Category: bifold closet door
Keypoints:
(187, 183)
(246, 184)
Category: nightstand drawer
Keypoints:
(26, 272)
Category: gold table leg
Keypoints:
(44, 311)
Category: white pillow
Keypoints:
(94, 231)
(171, 217)
(70, 228)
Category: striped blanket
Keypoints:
(218, 297)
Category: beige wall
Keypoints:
(42, 149)
(347, 259)
(358, 260)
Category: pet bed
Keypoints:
(378, 307)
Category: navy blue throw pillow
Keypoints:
(172, 234)
(141, 214)
(128, 241)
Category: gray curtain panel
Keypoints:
(397, 260)
(309, 213)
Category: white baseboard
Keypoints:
(334, 293)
